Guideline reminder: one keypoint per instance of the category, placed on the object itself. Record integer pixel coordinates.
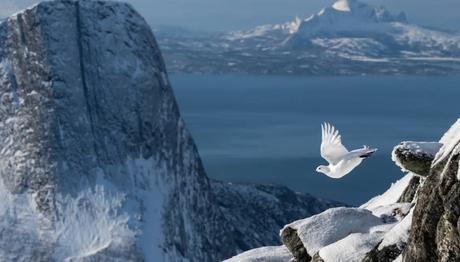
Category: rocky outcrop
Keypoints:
(415, 157)
(264, 209)
(435, 232)
(95, 161)
(386, 254)
(293, 242)
(409, 194)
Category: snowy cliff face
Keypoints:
(95, 161)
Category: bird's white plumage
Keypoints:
(331, 146)
(341, 161)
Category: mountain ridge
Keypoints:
(361, 40)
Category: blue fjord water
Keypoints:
(266, 129)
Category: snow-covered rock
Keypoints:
(332, 225)
(345, 234)
(415, 157)
(376, 231)
(263, 254)
(95, 161)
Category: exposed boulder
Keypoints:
(435, 232)
(415, 157)
(293, 242)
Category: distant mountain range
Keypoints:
(347, 38)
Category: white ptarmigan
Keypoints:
(341, 161)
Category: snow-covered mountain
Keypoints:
(348, 37)
(95, 161)
(416, 219)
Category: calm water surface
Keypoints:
(266, 129)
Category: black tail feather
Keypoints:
(367, 154)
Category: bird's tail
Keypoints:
(367, 152)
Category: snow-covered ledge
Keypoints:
(415, 157)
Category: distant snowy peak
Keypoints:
(342, 5)
(342, 15)
(357, 9)
(267, 30)
(348, 15)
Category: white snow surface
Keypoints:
(263, 254)
(351, 248)
(396, 210)
(342, 5)
(450, 141)
(391, 196)
(99, 217)
(399, 234)
(263, 30)
(430, 148)
(332, 225)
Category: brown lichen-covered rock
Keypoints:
(409, 193)
(435, 226)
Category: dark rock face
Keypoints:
(292, 241)
(317, 258)
(435, 226)
(411, 190)
(264, 209)
(386, 254)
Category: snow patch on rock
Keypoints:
(332, 225)
(450, 141)
(263, 254)
(390, 196)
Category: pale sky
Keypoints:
(221, 15)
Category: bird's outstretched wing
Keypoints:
(331, 147)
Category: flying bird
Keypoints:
(341, 161)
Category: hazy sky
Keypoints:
(240, 14)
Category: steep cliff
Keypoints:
(435, 232)
(95, 161)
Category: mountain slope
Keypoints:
(95, 161)
(346, 38)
